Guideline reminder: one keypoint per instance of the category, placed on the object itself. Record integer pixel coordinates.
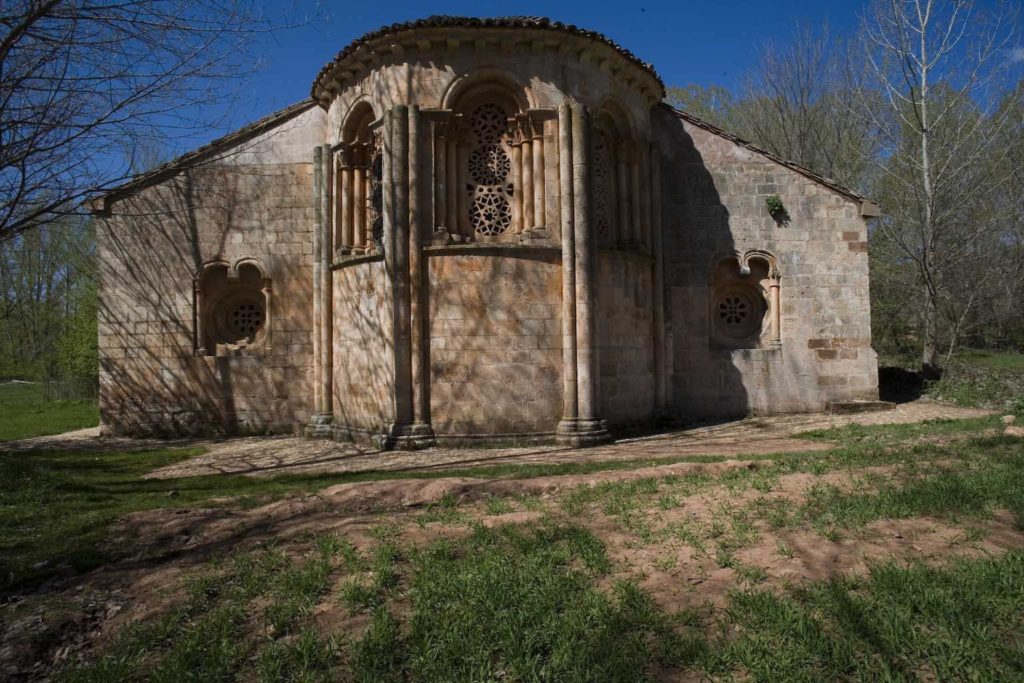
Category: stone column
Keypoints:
(657, 247)
(517, 181)
(345, 227)
(537, 143)
(400, 277)
(773, 291)
(418, 434)
(358, 199)
(318, 181)
(441, 177)
(319, 423)
(567, 427)
(326, 293)
(634, 193)
(527, 176)
(454, 191)
(198, 310)
(590, 429)
(462, 217)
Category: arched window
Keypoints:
(232, 309)
(615, 189)
(357, 208)
(744, 302)
(489, 183)
(490, 157)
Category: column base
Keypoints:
(319, 426)
(414, 437)
(582, 433)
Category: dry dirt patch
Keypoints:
(269, 456)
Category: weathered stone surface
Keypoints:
(477, 256)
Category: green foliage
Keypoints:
(48, 303)
(983, 379)
(774, 204)
(77, 348)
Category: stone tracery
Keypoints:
(489, 167)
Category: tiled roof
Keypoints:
(200, 154)
(444, 21)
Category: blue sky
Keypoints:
(697, 41)
(701, 41)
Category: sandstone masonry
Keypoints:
(478, 230)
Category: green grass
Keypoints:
(970, 489)
(544, 601)
(56, 507)
(516, 603)
(209, 635)
(522, 603)
(999, 360)
(25, 414)
(901, 622)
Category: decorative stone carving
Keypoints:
(232, 309)
(490, 191)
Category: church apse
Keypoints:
(497, 234)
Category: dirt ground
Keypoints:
(269, 456)
(67, 617)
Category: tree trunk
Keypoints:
(930, 368)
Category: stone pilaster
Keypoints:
(418, 434)
(590, 429)
(661, 383)
(320, 421)
(567, 426)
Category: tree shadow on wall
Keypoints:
(157, 239)
(704, 381)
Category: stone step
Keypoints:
(845, 407)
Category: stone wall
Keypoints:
(625, 338)
(364, 369)
(714, 194)
(495, 341)
(246, 204)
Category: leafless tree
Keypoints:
(82, 82)
(940, 67)
(794, 103)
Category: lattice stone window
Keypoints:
(604, 186)
(232, 309)
(738, 311)
(376, 198)
(739, 303)
(490, 165)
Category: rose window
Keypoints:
(603, 185)
(489, 123)
(489, 165)
(246, 319)
(490, 213)
(738, 311)
(733, 310)
(490, 192)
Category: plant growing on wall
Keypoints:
(775, 207)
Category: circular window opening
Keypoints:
(738, 312)
(245, 319)
(238, 318)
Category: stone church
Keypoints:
(478, 230)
